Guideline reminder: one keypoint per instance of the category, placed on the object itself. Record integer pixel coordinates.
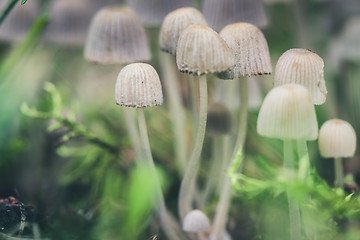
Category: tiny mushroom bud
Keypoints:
(116, 35)
(337, 138)
(302, 67)
(196, 221)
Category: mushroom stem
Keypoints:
(222, 208)
(188, 181)
(294, 209)
(176, 109)
(304, 160)
(339, 172)
(171, 229)
(133, 132)
(193, 102)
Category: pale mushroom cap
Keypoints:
(116, 35)
(250, 49)
(302, 67)
(138, 85)
(153, 12)
(19, 21)
(288, 113)
(196, 221)
(221, 13)
(201, 50)
(337, 138)
(174, 23)
(69, 21)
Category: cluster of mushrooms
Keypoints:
(239, 51)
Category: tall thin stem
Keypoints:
(294, 209)
(339, 172)
(304, 160)
(188, 181)
(225, 197)
(133, 132)
(193, 102)
(176, 109)
(169, 226)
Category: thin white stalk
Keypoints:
(188, 181)
(169, 226)
(339, 172)
(193, 100)
(294, 209)
(176, 109)
(304, 160)
(133, 131)
(222, 208)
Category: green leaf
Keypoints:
(23, 2)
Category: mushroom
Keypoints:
(200, 51)
(196, 221)
(138, 85)
(251, 58)
(174, 23)
(288, 114)
(116, 36)
(221, 13)
(337, 139)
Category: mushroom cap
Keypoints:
(218, 119)
(69, 21)
(337, 138)
(19, 20)
(116, 35)
(174, 23)
(288, 113)
(152, 12)
(302, 67)
(138, 85)
(250, 48)
(196, 221)
(221, 13)
(201, 51)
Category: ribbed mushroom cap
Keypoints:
(337, 138)
(69, 21)
(201, 50)
(116, 35)
(196, 221)
(302, 67)
(19, 20)
(138, 85)
(250, 49)
(221, 13)
(288, 113)
(218, 119)
(153, 12)
(174, 23)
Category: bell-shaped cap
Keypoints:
(116, 35)
(250, 48)
(218, 119)
(173, 25)
(19, 20)
(337, 138)
(138, 85)
(201, 51)
(153, 12)
(196, 221)
(221, 13)
(69, 21)
(302, 67)
(288, 113)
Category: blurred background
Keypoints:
(64, 149)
